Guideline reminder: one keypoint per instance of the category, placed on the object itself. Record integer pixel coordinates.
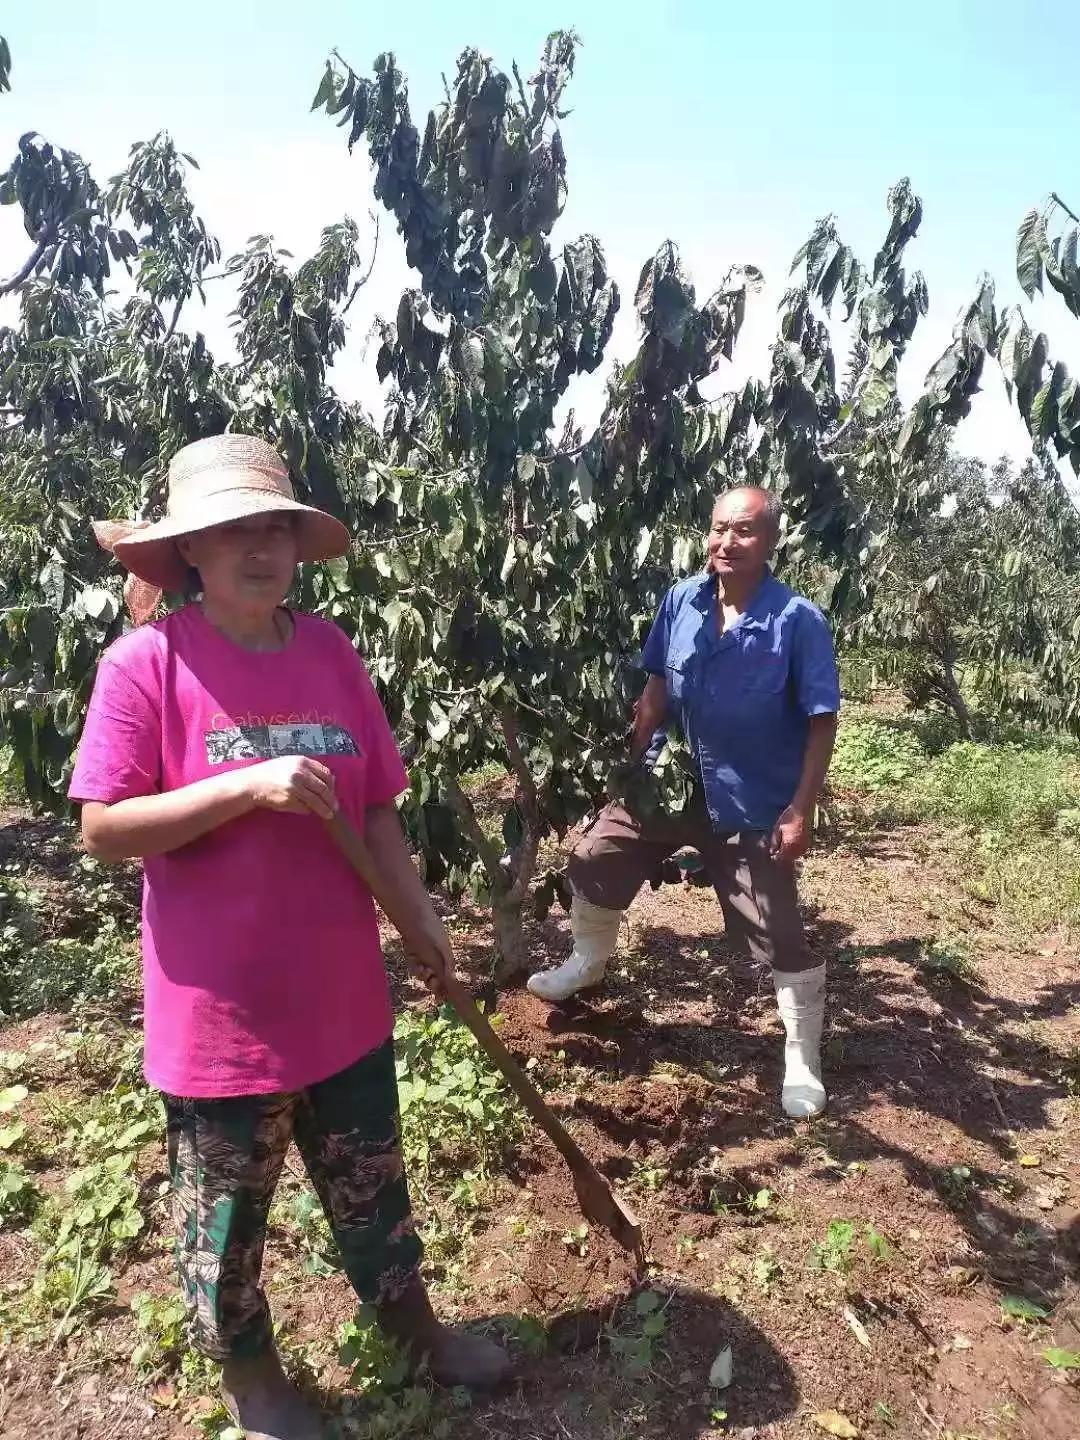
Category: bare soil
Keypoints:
(953, 1133)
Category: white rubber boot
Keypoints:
(596, 933)
(800, 995)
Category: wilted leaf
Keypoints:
(1029, 1162)
(858, 1329)
(164, 1395)
(959, 1275)
(836, 1424)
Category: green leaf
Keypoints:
(438, 725)
(10, 1135)
(1062, 1359)
(875, 395)
(392, 612)
(1018, 1307)
(1030, 242)
(99, 603)
(338, 570)
(41, 632)
(327, 88)
(11, 1097)
(647, 1302)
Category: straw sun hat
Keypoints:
(213, 482)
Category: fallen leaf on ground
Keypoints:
(836, 1424)
(1029, 1162)
(959, 1275)
(858, 1329)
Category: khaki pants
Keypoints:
(617, 854)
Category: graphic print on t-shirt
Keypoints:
(267, 742)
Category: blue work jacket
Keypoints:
(744, 696)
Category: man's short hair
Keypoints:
(771, 503)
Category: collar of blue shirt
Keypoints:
(759, 606)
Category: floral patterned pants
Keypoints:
(225, 1158)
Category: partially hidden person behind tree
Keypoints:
(217, 743)
(745, 667)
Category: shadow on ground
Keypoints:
(570, 1390)
(917, 1064)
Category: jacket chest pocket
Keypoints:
(761, 674)
(752, 676)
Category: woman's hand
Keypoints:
(427, 949)
(294, 784)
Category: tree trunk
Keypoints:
(507, 905)
(956, 701)
(510, 952)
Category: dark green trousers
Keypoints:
(225, 1158)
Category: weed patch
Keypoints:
(456, 1110)
(874, 756)
(40, 972)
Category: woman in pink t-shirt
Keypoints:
(217, 742)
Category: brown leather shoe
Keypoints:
(454, 1357)
(265, 1403)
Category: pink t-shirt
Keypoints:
(261, 956)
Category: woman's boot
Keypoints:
(265, 1403)
(454, 1357)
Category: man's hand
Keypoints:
(791, 836)
(650, 711)
(429, 955)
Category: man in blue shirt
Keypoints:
(745, 667)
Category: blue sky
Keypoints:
(728, 127)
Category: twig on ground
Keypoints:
(925, 1410)
(997, 1103)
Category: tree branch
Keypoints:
(171, 331)
(42, 245)
(462, 807)
(374, 214)
(336, 53)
